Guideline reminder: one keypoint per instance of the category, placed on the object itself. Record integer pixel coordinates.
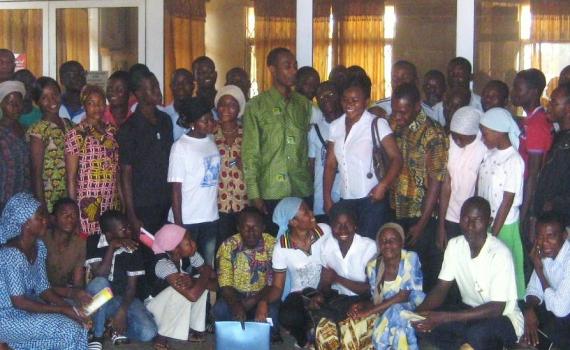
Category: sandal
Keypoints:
(160, 343)
(196, 337)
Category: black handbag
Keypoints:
(380, 159)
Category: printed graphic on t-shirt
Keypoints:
(212, 172)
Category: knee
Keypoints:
(221, 310)
(148, 331)
(97, 284)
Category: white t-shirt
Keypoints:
(502, 171)
(196, 164)
(78, 118)
(353, 265)
(354, 154)
(304, 270)
(318, 152)
(177, 130)
(489, 277)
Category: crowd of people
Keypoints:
(434, 216)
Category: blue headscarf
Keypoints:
(19, 209)
(284, 212)
(501, 120)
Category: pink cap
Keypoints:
(167, 238)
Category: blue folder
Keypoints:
(231, 336)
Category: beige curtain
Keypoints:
(321, 39)
(550, 21)
(184, 36)
(274, 27)
(72, 36)
(358, 38)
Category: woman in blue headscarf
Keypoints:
(32, 315)
(297, 255)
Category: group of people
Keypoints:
(434, 215)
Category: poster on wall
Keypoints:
(21, 61)
(98, 78)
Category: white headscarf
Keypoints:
(501, 120)
(465, 121)
(234, 92)
(9, 86)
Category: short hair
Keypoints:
(408, 92)
(202, 59)
(8, 52)
(182, 71)
(24, 74)
(407, 65)
(551, 217)
(361, 82)
(341, 208)
(236, 70)
(500, 86)
(477, 202)
(274, 54)
(305, 72)
(355, 71)
(65, 66)
(192, 109)
(120, 75)
(137, 79)
(434, 73)
(534, 78)
(247, 211)
(460, 91)
(461, 61)
(60, 203)
(135, 72)
(109, 216)
(89, 90)
(327, 84)
(40, 84)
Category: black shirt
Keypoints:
(146, 148)
(125, 264)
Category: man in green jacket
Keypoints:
(275, 146)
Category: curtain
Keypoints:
(72, 36)
(321, 40)
(184, 36)
(274, 27)
(22, 34)
(550, 21)
(358, 38)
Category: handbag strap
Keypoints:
(319, 135)
(376, 143)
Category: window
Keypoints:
(252, 61)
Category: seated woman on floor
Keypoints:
(32, 315)
(395, 278)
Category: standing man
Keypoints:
(72, 76)
(275, 145)
(7, 67)
(182, 87)
(238, 76)
(204, 71)
(459, 74)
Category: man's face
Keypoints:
(550, 238)
(73, 78)
(205, 75)
(307, 86)
(67, 218)
(522, 93)
(239, 79)
(285, 70)
(7, 65)
(251, 230)
(182, 86)
(343, 228)
(404, 112)
(433, 90)
(558, 107)
(473, 223)
(149, 92)
(402, 75)
(119, 229)
(491, 98)
(457, 75)
(328, 100)
(117, 92)
(187, 247)
(451, 104)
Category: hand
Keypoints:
(530, 327)
(135, 224)
(414, 234)
(260, 205)
(328, 204)
(81, 297)
(328, 276)
(433, 319)
(119, 321)
(359, 310)
(316, 302)
(238, 311)
(126, 243)
(536, 257)
(183, 281)
(441, 239)
(378, 192)
(77, 315)
(261, 311)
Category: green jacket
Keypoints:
(275, 146)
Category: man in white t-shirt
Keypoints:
(182, 86)
(482, 266)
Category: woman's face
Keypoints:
(491, 138)
(354, 102)
(117, 92)
(462, 140)
(304, 220)
(94, 106)
(12, 106)
(390, 244)
(204, 125)
(50, 100)
(344, 228)
(228, 109)
(37, 224)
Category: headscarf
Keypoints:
(18, 210)
(234, 92)
(167, 238)
(501, 120)
(378, 297)
(9, 86)
(285, 211)
(465, 121)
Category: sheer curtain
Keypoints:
(22, 33)
(321, 39)
(358, 38)
(275, 26)
(550, 21)
(184, 37)
(72, 36)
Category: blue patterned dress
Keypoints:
(391, 331)
(23, 330)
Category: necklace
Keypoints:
(229, 132)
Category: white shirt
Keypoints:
(353, 265)
(354, 154)
(439, 117)
(318, 152)
(304, 270)
(489, 277)
(386, 104)
(475, 101)
(557, 273)
(64, 113)
(196, 164)
(177, 130)
(502, 171)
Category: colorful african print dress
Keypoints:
(97, 176)
(53, 173)
(24, 330)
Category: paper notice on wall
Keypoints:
(98, 78)
(21, 61)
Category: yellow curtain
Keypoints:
(550, 21)
(321, 40)
(72, 36)
(184, 36)
(22, 33)
(274, 27)
(358, 38)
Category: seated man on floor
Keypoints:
(548, 293)
(116, 262)
(245, 274)
(484, 271)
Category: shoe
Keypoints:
(95, 344)
(119, 339)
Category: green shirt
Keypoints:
(26, 120)
(275, 146)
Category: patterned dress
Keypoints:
(232, 194)
(53, 173)
(97, 175)
(14, 165)
(24, 330)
